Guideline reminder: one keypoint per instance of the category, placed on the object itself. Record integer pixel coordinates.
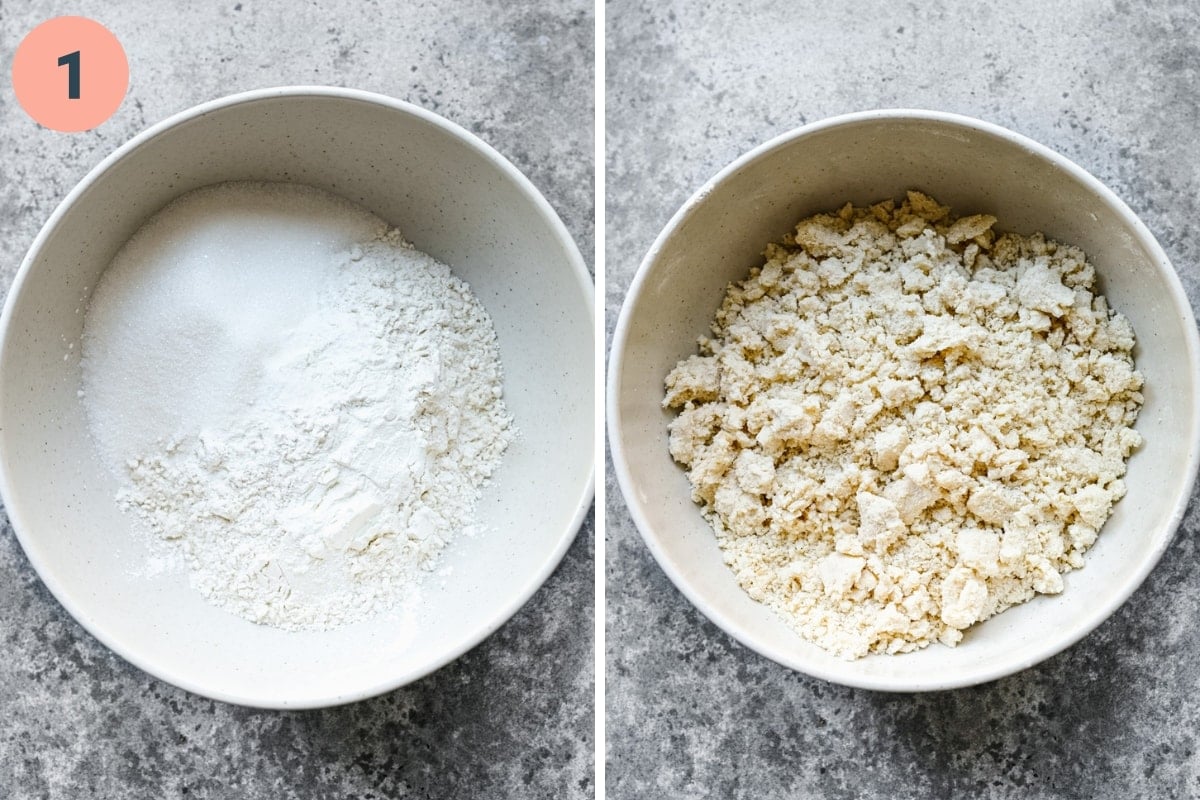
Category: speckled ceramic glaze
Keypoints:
(453, 197)
(973, 167)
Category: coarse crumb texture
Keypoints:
(906, 423)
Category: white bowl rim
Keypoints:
(501, 614)
(883, 683)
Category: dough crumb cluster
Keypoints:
(905, 423)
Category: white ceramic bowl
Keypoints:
(974, 167)
(453, 197)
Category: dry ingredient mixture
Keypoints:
(293, 399)
(905, 423)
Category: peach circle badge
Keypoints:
(70, 74)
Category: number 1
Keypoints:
(71, 62)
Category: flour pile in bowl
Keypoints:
(905, 423)
(296, 400)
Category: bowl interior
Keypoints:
(973, 168)
(452, 198)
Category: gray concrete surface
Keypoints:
(513, 718)
(1112, 85)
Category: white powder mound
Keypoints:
(301, 403)
(905, 424)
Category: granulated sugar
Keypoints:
(301, 403)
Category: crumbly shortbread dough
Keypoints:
(905, 423)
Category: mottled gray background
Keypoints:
(512, 718)
(1113, 86)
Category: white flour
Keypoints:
(295, 397)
